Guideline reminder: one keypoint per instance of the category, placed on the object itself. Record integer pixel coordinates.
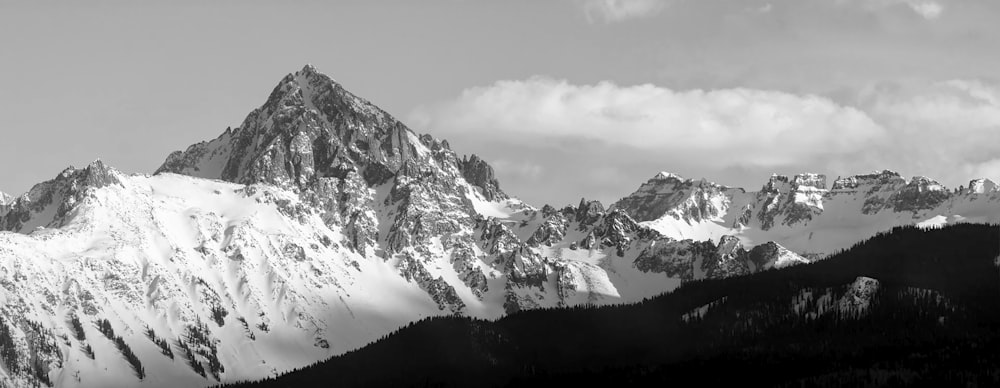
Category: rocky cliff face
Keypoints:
(697, 260)
(859, 296)
(873, 189)
(480, 174)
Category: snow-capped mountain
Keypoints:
(801, 213)
(322, 223)
(318, 225)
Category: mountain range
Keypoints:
(322, 224)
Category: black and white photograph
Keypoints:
(499, 193)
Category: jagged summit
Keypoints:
(479, 173)
(665, 176)
(309, 69)
(982, 186)
(335, 148)
(875, 178)
(802, 211)
(815, 180)
(669, 193)
(306, 112)
(310, 129)
(668, 175)
(48, 204)
(96, 174)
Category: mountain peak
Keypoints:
(309, 127)
(332, 147)
(480, 174)
(810, 179)
(311, 77)
(96, 174)
(876, 178)
(807, 179)
(309, 69)
(923, 183)
(50, 203)
(981, 186)
(664, 175)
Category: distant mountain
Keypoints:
(801, 213)
(912, 307)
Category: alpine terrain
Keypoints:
(322, 224)
(909, 307)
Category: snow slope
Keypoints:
(173, 253)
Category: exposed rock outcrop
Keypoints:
(480, 174)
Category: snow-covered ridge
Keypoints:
(801, 213)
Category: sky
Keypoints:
(565, 98)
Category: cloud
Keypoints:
(928, 9)
(766, 8)
(586, 137)
(949, 129)
(523, 169)
(720, 127)
(613, 11)
(966, 105)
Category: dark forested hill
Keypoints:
(907, 307)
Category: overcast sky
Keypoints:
(566, 98)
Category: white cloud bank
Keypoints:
(949, 131)
(613, 11)
(764, 128)
(928, 9)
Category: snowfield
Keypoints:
(164, 252)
